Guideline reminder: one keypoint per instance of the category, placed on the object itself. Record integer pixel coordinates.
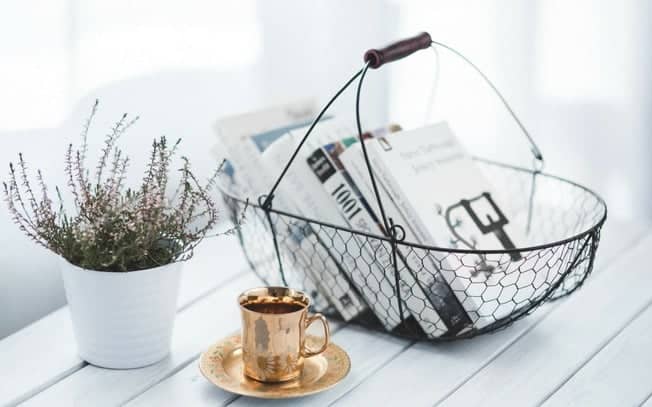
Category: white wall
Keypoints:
(179, 67)
(576, 72)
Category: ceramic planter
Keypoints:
(122, 320)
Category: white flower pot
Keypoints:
(122, 320)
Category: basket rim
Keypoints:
(591, 229)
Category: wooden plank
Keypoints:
(436, 370)
(45, 352)
(620, 236)
(366, 349)
(550, 353)
(28, 361)
(215, 262)
(189, 387)
(196, 328)
(422, 374)
(617, 376)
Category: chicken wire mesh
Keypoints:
(443, 293)
(452, 291)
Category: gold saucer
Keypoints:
(222, 365)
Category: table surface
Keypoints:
(590, 349)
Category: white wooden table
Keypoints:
(593, 348)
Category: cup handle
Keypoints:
(305, 352)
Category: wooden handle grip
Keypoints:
(393, 52)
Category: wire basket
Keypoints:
(562, 221)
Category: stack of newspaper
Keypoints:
(428, 184)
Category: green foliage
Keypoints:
(115, 228)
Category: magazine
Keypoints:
(297, 193)
(350, 251)
(245, 137)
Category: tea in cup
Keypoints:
(274, 323)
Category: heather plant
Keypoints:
(111, 227)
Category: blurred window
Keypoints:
(52, 52)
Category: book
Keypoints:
(245, 137)
(372, 273)
(349, 250)
(458, 210)
(437, 309)
(296, 193)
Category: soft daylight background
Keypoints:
(576, 72)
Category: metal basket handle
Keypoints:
(375, 58)
(398, 50)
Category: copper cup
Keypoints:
(274, 323)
